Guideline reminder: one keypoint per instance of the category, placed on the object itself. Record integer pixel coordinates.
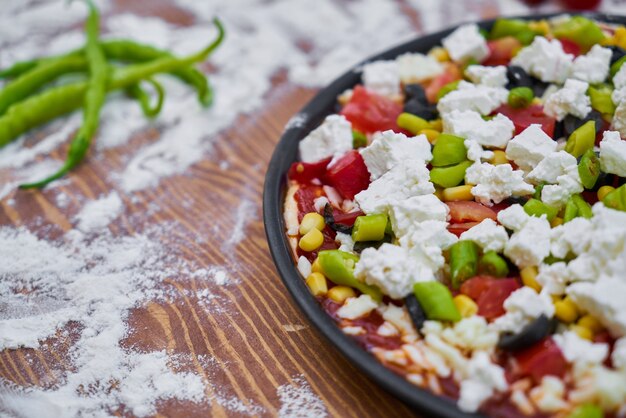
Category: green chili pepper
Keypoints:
(581, 139)
(436, 301)
(463, 262)
(616, 199)
(492, 264)
(589, 169)
(616, 66)
(358, 139)
(369, 228)
(601, 99)
(581, 30)
(516, 28)
(412, 123)
(571, 211)
(538, 190)
(137, 92)
(18, 69)
(520, 97)
(586, 411)
(535, 207)
(448, 150)
(575, 207)
(447, 89)
(338, 267)
(449, 176)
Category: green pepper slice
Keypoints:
(601, 99)
(589, 169)
(581, 30)
(369, 227)
(338, 267)
(616, 199)
(535, 207)
(492, 264)
(463, 262)
(448, 150)
(587, 411)
(449, 176)
(436, 300)
(581, 139)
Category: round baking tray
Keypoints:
(286, 152)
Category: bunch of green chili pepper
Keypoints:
(26, 102)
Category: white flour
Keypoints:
(297, 400)
(97, 214)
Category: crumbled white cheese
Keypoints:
(389, 148)
(530, 147)
(545, 60)
(522, 307)
(552, 166)
(618, 95)
(404, 180)
(571, 237)
(473, 333)
(603, 299)
(601, 386)
(488, 235)
(549, 395)
(465, 43)
(531, 244)
(553, 278)
(346, 243)
(319, 203)
(613, 153)
(579, 350)
(485, 377)
(468, 96)
(494, 183)
(514, 217)
(426, 241)
(619, 118)
(567, 185)
(488, 76)
(571, 99)
(592, 67)
(618, 357)
(475, 151)
(416, 67)
(382, 77)
(495, 132)
(405, 215)
(354, 308)
(332, 137)
(304, 266)
(619, 79)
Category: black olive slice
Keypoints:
(531, 334)
(417, 314)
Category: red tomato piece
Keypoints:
(542, 359)
(523, 118)
(369, 112)
(458, 229)
(571, 47)
(304, 197)
(451, 74)
(469, 211)
(348, 175)
(304, 173)
(489, 293)
(501, 50)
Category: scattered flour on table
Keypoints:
(246, 212)
(297, 400)
(97, 214)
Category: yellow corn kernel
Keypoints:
(465, 305)
(458, 193)
(619, 37)
(439, 193)
(431, 134)
(529, 277)
(582, 332)
(565, 310)
(312, 240)
(340, 293)
(316, 267)
(588, 321)
(440, 54)
(317, 284)
(556, 221)
(436, 124)
(542, 27)
(604, 190)
(311, 220)
(499, 157)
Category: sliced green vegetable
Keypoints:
(520, 97)
(576, 207)
(589, 169)
(369, 227)
(617, 65)
(581, 139)
(516, 28)
(412, 123)
(571, 211)
(537, 208)
(359, 139)
(492, 264)
(587, 411)
(463, 262)
(449, 176)
(448, 150)
(538, 190)
(436, 300)
(338, 267)
(581, 30)
(447, 89)
(601, 99)
(616, 199)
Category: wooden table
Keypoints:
(259, 338)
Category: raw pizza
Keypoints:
(463, 217)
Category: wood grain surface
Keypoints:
(254, 333)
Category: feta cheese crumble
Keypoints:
(332, 137)
(495, 132)
(405, 215)
(488, 235)
(468, 96)
(465, 43)
(530, 244)
(530, 147)
(488, 76)
(389, 148)
(354, 308)
(494, 183)
(416, 67)
(561, 168)
(545, 59)
(571, 99)
(382, 77)
(579, 350)
(613, 153)
(485, 378)
(619, 118)
(592, 67)
(522, 307)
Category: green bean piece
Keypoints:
(338, 267)
(138, 93)
(492, 264)
(535, 207)
(412, 123)
(436, 300)
(581, 139)
(616, 199)
(18, 69)
(447, 89)
(463, 262)
(589, 169)
(448, 150)
(369, 227)
(359, 139)
(449, 176)
(586, 411)
(601, 100)
(520, 97)
(95, 96)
